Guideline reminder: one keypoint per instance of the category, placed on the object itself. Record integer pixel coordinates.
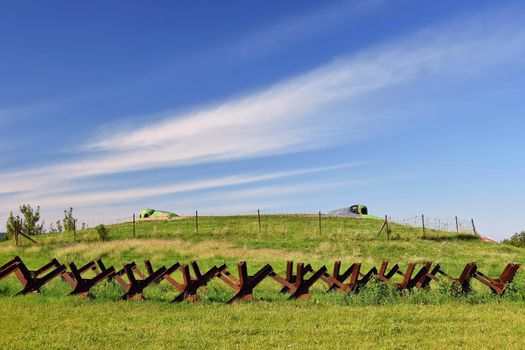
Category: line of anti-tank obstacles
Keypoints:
(295, 283)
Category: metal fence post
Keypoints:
(134, 229)
(196, 221)
(320, 226)
(423, 223)
(387, 228)
(16, 235)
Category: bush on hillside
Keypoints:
(517, 240)
(103, 232)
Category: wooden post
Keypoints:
(74, 229)
(423, 223)
(457, 226)
(382, 227)
(474, 227)
(196, 221)
(134, 229)
(320, 226)
(387, 228)
(16, 235)
(259, 219)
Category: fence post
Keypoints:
(387, 228)
(423, 224)
(457, 226)
(196, 221)
(474, 227)
(259, 219)
(16, 235)
(320, 226)
(134, 232)
(74, 229)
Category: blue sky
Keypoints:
(227, 107)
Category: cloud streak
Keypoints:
(108, 197)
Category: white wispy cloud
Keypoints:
(108, 197)
(227, 201)
(295, 29)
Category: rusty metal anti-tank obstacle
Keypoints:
(296, 282)
(134, 286)
(189, 285)
(31, 280)
(356, 279)
(298, 285)
(497, 285)
(81, 286)
(244, 285)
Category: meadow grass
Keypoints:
(379, 316)
(66, 323)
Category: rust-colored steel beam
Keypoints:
(81, 285)
(464, 279)
(498, 285)
(9, 267)
(297, 285)
(336, 281)
(291, 278)
(31, 280)
(382, 274)
(244, 285)
(424, 282)
(408, 281)
(135, 287)
(150, 271)
(189, 285)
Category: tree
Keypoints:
(69, 220)
(31, 224)
(59, 226)
(518, 239)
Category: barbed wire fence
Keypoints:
(262, 224)
(257, 223)
(426, 223)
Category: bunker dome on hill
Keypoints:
(156, 214)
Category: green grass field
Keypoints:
(379, 317)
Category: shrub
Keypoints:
(518, 239)
(103, 232)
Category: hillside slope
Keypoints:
(378, 317)
(280, 238)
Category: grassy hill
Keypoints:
(377, 317)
